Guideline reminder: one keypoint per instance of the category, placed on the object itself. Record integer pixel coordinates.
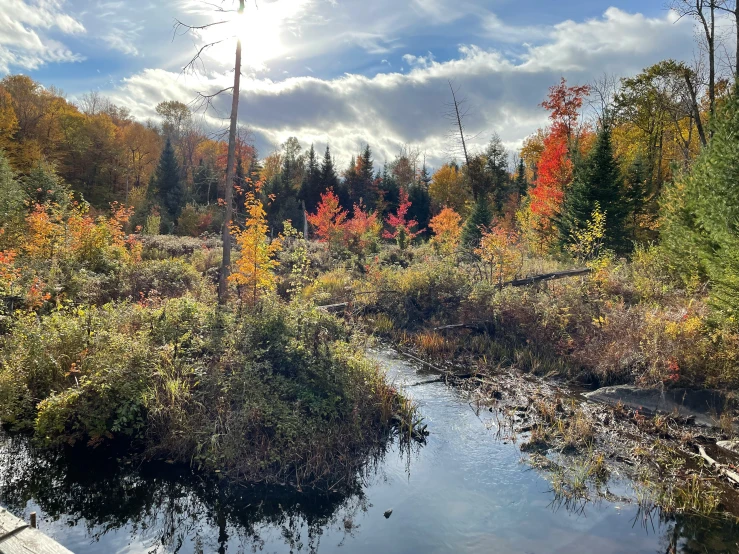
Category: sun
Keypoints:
(261, 29)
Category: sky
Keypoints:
(344, 72)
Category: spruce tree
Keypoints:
(169, 191)
(420, 209)
(312, 186)
(597, 179)
(522, 186)
(700, 214)
(480, 217)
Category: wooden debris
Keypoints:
(721, 469)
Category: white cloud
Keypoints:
(392, 109)
(23, 28)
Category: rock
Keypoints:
(732, 446)
(388, 513)
(704, 406)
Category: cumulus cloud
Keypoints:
(389, 110)
(24, 28)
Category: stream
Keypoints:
(463, 491)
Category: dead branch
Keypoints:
(721, 469)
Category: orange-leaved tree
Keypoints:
(447, 228)
(329, 219)
(402, 228)
(255, 268)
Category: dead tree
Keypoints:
(206, 101)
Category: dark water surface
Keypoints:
(463, 491)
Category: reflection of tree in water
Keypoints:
(172, 509)
(680, 533)
(684, 534)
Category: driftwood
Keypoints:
(721, 469)
(473, 326)
(331, 307)
(546, 277)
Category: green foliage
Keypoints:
(480, 217)
(598, 183)
(252, 396)
(169, 189)
(12, 200)
(700, 213)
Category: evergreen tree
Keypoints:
(43, 184)
(329, 179)
(169, 191)
(635, 194)
(424, 180)
(522, 186)
(12, 201)
(597, 179)
(420, 209)
(360, 180)
(700, 214)
(481, 216)
(390, 192)
(496, 172)
(312, 186)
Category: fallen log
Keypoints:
(330, 307)
(546, 277)
(473, 326)
(721, 469)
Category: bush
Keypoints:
(277, 394)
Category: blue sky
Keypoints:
(343, 71)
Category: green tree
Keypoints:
(521, 184)
(168, 187)
(480, 218)
(313, 186)
(700, 214)
(597, 182)
(12, 200)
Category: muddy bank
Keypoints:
(583, 440)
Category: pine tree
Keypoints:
(420, 209)
(635, 194)
(480, 217)
(522, 186)
(597, 179)
(168, 186)
(700, 213)
(312, 186)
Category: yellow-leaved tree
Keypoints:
(255, 268)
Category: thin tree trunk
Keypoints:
(459, 123)
(696, 109)
(226, 232)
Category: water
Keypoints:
(464, 491)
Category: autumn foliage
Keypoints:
(402, 229)
(255, 268)
(447, 228)
(329, 219)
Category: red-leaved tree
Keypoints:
(402, 228)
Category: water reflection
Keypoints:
(462, 492)
(169, 509)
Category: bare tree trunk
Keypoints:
(459, 124)
(694, 104)
(226, 232)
